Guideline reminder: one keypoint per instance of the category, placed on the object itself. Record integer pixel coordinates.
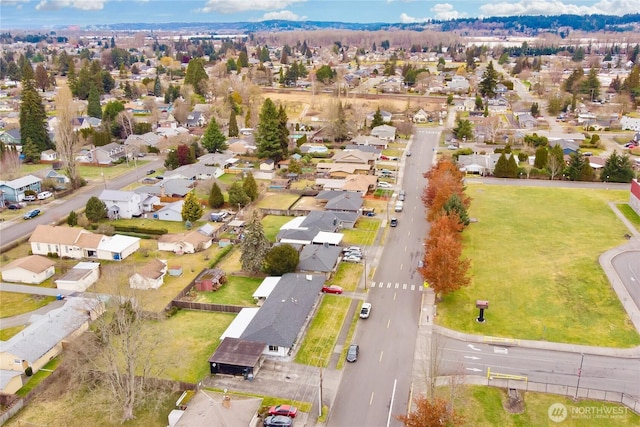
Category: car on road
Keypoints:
(286, 410)
(408, 153)
(420, 264)
(31, 214)
(393, 222)
(151, 172)
(277, 421)
(365, 311)
(383, 157)
(331, 289)
(383, 184)
(352, 353)
(401, 195)
(148, 181)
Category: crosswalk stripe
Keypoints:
(413, 287)
(389, 285)
(404, 286)
(397, 285)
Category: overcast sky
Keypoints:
(42, 13)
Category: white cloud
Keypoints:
(232, 6)
(445, 12)
(406, 19)
(557, 7)
(76, 4)
(284, 15)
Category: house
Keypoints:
(279, 322)
(526, 120)
(170, 212)
(184, 243)
(264, 290)
(366, 148)
(13, 191)
(48, 156)
(303, 229)
(630, 123)
(385, 132)
(310, 148)
(386, 116)
(420, 116)
(44, 338)
(354, 156)
(195, 119)
(341, 201)
(177, 187)
(57, 177)
(370, 140)
(341, 170)
(122, 204)
(458, 84)
(359, 183)
(32, 269)
(634, 196)
(11, 137)
(200, 171)
(482, 164)
(150, 276)
(85, 122)
(140, 142)
(320, 258)
(78, 243)
(107, 154)
(214, 409)
(241, 146)
(267, 165)
(80, 277)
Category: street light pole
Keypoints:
(579, 375)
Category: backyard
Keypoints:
(534, 254)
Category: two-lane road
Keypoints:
(376, 388)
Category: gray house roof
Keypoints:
(319, 258)
(283, 314)
(177, 187)
(116, 195)
(365, 148)
(348, 201)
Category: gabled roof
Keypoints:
(365, 148)
(347, 201)
(154, 269)
(21, 182)
(283, 314)
(359, 182)
(61, 235)
(116, 195)
(33, 263)
(319, 258)
(234, 351)
(353, 156)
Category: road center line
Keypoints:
(371, 399)
(388, 323)
(381, 353)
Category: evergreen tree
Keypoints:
(535, 109)
(233, 125)
(31, 151)
(617, 168)
(213, 139)
(501, 169)
(281, 259)
(237, 196)
(489, 82)
(93, 107)
(195, 75)
(591, 84)
(33, 119)
(111, 110)
(171, 162)
(216, 199)
(576, 163)
(157, 87)
(250, 186)
(457, 206)
(268, 135)
(541, 157)
(586, 172)
(128, 90)
(463, 129)
(42, 78)
(340, 131)
(254, 246)
(95, 209)
(243, 59)
(512, 167)
(377, 119)
(196, 149)
(192, 210)
(479, 103)
(284, 129)
(72, 219)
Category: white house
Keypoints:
(630, 123)
(118, 247)
(420, 116)
(385, 132)
(184, 243)
(171, 212)
(122, 204)
(80, 277)
(150, 276)
(32, 269)
(48, 156)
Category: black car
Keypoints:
(352, 353)
(14, 206)
(393, 222)
(278, 421)
(151, 172)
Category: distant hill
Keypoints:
(516, 24)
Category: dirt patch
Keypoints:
(514, 404)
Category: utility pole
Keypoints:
(579, 375)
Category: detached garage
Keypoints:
(237, 357)
(32, 269)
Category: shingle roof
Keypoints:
(319, 258)
(32, 263)
(283, 314)
(60, 235)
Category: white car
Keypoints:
(383, 184)
(352, 249)
(352, 258)
(365, 311)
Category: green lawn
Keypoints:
(321, 336)
(237, 291)
(170, 226)
(277, 200)
(483, 407)
(534, 255)
(14, 303)
(364, 234)
(271, 225)
(7, 333)
(630, 214)
(348, 275)
(38, 377)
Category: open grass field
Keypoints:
(271, 225)
(237, 291)
(14, 303)
(321, 336)
(534, 255)
(484, 407)
(277, 200)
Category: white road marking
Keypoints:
(471, 357)
(501, 350)
(397, 285)
(474, 369)
(473, 348)
(388, 323)
(381, 353)
(404, 286)
(371, 399)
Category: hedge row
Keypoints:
(134, 229)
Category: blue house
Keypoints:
(13, 191)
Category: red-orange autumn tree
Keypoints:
(443, 267)
(435, 413)
(445, 180)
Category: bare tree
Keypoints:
(9, 163)
(492, 124)
(67, 140)
(555, 165)
(127, 122)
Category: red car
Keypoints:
(332, 289)
(286, 410)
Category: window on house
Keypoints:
(273, 348)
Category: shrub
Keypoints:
(29, 371)
(72, 219)
(220, 255)
(106, 229)
(523, 157)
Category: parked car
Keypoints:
(331, 289)
(30, 198)
(393, 222)
(399, 206)
(383, 157)
(383, 184)
(45, 195)
(14, 206)
(401, 195)
(31, 214)
(352, 258)
(148, 181)
(218, 216)
(352, 353)
(408, 153)
(286, 410)
(452, 147)
(365, 311)
(352, 249)
(277, 421)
